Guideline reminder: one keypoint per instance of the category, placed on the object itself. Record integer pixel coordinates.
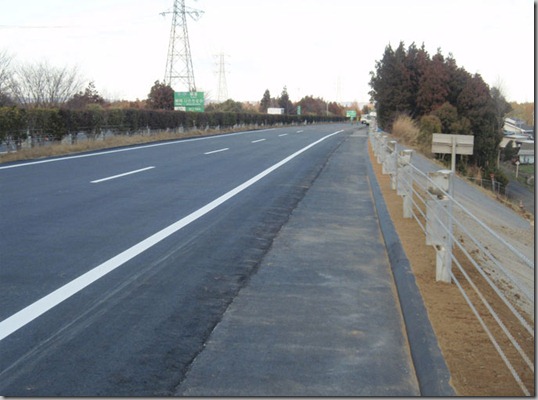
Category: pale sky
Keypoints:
(324, 48)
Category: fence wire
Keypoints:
(474, 250)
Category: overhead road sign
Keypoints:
(189, 101)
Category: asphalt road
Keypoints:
(117, 265)
(256, 263)
(472, 198)
(521, 193)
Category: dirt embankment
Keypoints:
(475, 366)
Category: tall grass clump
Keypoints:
(406, 130)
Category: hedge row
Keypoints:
(16, 123)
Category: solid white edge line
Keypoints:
(216, 151)
(41, 306)
(146, 146)
(120, 175)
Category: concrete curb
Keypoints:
(432, 373)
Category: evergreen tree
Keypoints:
(476, 104)
(433, 86)
(265, 102)
(83, 99)
(161, 97)
(410, 82)
(284, 101)
(457, 79)
(392, 87)
(417, 61)
(313, 106)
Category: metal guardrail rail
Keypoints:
(446, 224)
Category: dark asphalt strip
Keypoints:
(432, 373)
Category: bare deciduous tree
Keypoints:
(43, 85)
(5, 61)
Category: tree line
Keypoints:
(53, 124)
(441, 97)
(45, 101)
(160, 98)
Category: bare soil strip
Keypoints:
(475, 366)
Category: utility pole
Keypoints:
(179, 71)
(222, 92)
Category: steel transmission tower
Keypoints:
(338, 89)
(179, 71)
(222, 93)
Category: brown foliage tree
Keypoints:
(161, 97)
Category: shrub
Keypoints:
(429, 124)
(405, 129)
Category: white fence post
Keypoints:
(390, 147)
(381, 152)
(404, 184)
(439, 224)
(373, 124)
(391, 161)
(375, 142)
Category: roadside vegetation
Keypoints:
(58, 148)
(44, 108)
(418, 136)
(417, 94)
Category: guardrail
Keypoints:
(468, 252)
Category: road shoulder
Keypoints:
(321, 317)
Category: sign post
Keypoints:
(448, 144)
(189, 101)
(452, 144)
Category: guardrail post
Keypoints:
(377, 136)
(381, 153)
(393, 164)
(404, 184)
(373, 125)
(389, 150)
(439, 224)
(374, 136)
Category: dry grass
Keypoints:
(406, 130)
(58, 149)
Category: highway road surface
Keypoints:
(103, 252)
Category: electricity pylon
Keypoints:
(338, 89)
(179, 72)
(222, 92)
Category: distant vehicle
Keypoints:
(366, 119)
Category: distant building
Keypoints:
(515, 126)
(526, 152)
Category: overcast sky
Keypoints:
(324, 48)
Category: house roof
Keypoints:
(526, 149)
(517, 125)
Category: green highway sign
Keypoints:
(189, 101)
(351, 113)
